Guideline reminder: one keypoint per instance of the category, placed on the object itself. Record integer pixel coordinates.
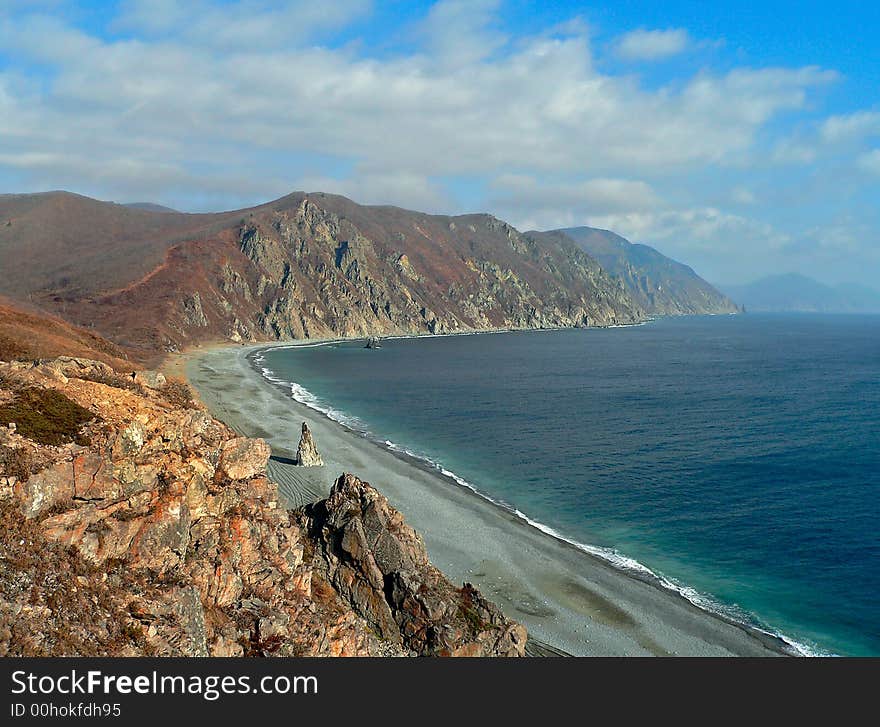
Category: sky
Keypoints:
(741, 138)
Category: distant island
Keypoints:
(800, 294)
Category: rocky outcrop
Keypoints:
(307, 453)
(379, 564)
(162, 536)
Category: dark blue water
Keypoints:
(738, 455)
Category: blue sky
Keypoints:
(741, 138)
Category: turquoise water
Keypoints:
(735, 456)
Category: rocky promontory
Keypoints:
(136, 524)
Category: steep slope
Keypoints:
(797, 293)
(659, 284)
(133, 524)
(306, 265)
(29, 334)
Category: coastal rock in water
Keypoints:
(307, 453)
(379, 564)
(373, 342)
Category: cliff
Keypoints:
(658, 284)
(306, 265)
(135, 524)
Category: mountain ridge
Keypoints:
(661, 285)
(304, 265)
(793, 292)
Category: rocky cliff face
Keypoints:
(306, 265)
(134, 524)
(658, 284)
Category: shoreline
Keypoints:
(569, 595)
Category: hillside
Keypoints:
(30, 334)
(134, 524)
(306, 265)
(798, 293)
(660, 285)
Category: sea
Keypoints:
(735, 458)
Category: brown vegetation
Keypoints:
(46, 416)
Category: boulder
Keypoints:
(243, 458)
(150, 379)
(307, 453)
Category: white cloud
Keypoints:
(240, 101)
(238, 24)
(704, 228)
(870, 161)
(848, 127)
(540, 106)
(791, 151)
(460, 32)
(650, 45)
(519, 194)
(743, 196)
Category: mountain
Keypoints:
(305, 265)
(797, 293)
(658, 284)
(149, 207)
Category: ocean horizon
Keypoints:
(734, 458)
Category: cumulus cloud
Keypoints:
(246, 100)
(848, 127)
(534, 203)
(540, 106)
(651, 45)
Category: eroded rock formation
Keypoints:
(307, 453)
(151, 528)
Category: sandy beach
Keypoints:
(567, 598)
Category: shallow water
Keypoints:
(738, 456)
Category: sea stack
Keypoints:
(373, 342)
(307, 453)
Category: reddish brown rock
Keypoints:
(379, 564)
(164, 537)
(243, 458)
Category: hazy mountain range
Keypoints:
(797, 293)
(151, 280)
(659, 284)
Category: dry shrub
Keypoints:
(178, 394)
(15, 462)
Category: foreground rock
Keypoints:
(159, 534)
(379, 565)
(307, 453)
